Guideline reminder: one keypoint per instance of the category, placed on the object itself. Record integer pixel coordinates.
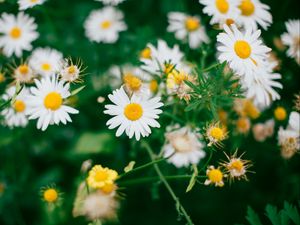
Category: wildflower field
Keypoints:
(149, 112)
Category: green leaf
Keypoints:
(292, 212)
(76, 91)
(193, 179)
(95, 142)
(252, 217)
(192, 106)
(129, 167)
(284, 218)
(272, 214)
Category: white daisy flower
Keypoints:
(104, 25)
(292, 39)
(222, 11)
(184, 147)
(46, 102)
(188, 28)
(254, 13)
(23, 73)
(26, 4)
(17, 33)
(135, 116)
(45, 61)
(15, 114)
(260, 86)
(243, 51)
(110, 2)
(163, 59)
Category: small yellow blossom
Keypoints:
(99, 177)
(280, 113)
(214, 176)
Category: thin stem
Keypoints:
(211, 67)
(140, 167)
(179, 207)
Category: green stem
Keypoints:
(172, 116)
(141, 167)
(179, 207)
(211, 67)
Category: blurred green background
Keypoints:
(31, 159)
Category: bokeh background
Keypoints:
(31, 159)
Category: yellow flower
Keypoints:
(214, 176)
(50, 195)
(216, 133)
(99, 176)
(280, 113)
(243, 125)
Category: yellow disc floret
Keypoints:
(146, 53)
(106, 24)
(133, 111)
(19, 106)
(247, 7)
(222, 6)
(242, 49)
(216, 133)
(46, 66)
(99, 176)
(50, 195)
(23, 69)
(15, 32)
(153, 86)
(280, 113)
(53, 101)
(192, 24)
(215, 175)
(132, 82)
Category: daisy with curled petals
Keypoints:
(26, 4)
(17, 33)
(222, 11)
(292, 39)
(254, 13)
(104, 25)
(135, 116)
(183, 147)
(16, 114)
(242, 51)
(110, 2)
(23, 73)
(45, 61)
(163, 59)
(188, 28)
(214, 176)
(46, 102)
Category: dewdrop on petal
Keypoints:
(100, 176)
(214, 176)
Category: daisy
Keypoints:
(163, 59)
(280, 113)
(111, 2)
(292, 39)
(214, 176)
(23, 73)
(45, 61)
(51, 194)
(183, 147)
(104, 25)
(243, 51)
(26, 4)
(100, 176)
(17, 33)
(254, 13)
(236, 167)
(70, 72)
(15, 115)
(215, 133)
(222, 11)
(46, 102)
(188, 28)
(135, 116)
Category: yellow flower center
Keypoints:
(236, 165)
(222, 6)
(33, 1)
(216, 133)
(153, 86)
(280, 113)
(242, 49)
(243, 124)
(106, 24)
(133, 111)
(192, 24)
(71, 69)
(23, 69)
(50, 195)
(53, 101)
(146, 53)
(229, 22)
(108, 188)
(46, 66)
(215, 175)
(19, 106)
(247, 8)
(101, 175)
(251, 110)
(15, 32)
(2, 77)
(133, 82)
